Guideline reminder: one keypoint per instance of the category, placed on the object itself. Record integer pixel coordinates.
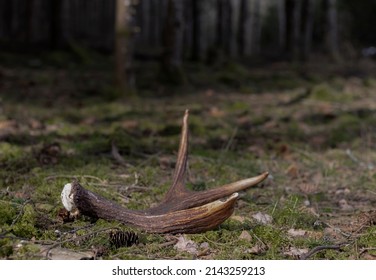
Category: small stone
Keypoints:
(263, 218)
(245, 236)
(296, 232)
(343, 204)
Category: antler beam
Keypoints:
(181, 211)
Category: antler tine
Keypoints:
(178, 183)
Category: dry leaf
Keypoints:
(8, 125)
(245, 236)
(130, 124)
(257, 249)
(65, 254)
(204, 250)
(239, 218)
(345, 206)
(263, 218)
(308, 188)
(296, 232)
(292, 171)
(35, 124)
(184, 244)
(216, 112)
(204, 245)
(342, 191)
(295, 252)
(368, 256)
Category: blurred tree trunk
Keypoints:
(235, 12)
(308, 9)
(296, 38)
(293, 28)
(332, 29)
(56, 26)
(196, 30)
(223, 29)
(242, 28)
(281, 8)
(30, 12)
(299, 28)
(173, 42)
(208, 20)
(123, 45)
(145, 19)
(256, 27)
(188, 29)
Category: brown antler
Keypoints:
(181, 211)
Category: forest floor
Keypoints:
(313, 131)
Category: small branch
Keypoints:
(117, 156)
(53, 177)
(336, 229)
(59, 243)
(127, 188)
(20, 213)
(321, 248)
(364, 250)
(297, 99)
(168, 243)
(357, 161)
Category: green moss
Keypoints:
(368, 239)
(6, 248)
(28, 252)
(294, 131)
(275, 239)
(324, 92)
(7, 213)
(25, 227)
(9, 151)
(369, 82)
(289, 214)
(347, 128)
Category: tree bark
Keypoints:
(196, 30)
(296, 38)
(30, 11)
(56, 26)
(332, 27)
(173, 43)
(243, 30)
(281, 7)
(235, 12)
(308, 28)
(256, 27)
(223, 30)
(123, 45)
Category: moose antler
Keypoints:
(181, 211)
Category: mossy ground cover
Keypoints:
(315, 136)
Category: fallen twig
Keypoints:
(321, 248)
(297, 99)
(53, 177)
(20, 213)
(75, 238)
(364, 250)
(117, 156)
(127, 188)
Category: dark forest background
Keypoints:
(173, 32)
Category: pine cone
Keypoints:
(119, 238)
